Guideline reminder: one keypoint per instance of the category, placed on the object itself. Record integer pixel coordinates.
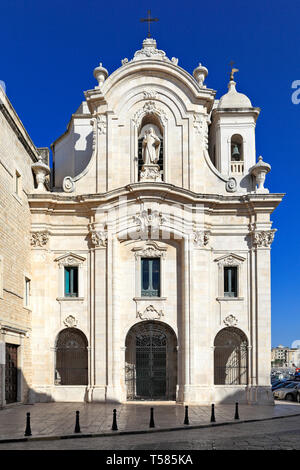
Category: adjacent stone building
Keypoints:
(17, 155)
(150, 253)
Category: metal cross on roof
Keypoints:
(148, 20)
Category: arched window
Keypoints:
(71, 358)
(236, 154)
(148, 122)
(231, 357)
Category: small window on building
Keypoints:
(71, 281)
(27, 292)
(230, 281)
(150, 270)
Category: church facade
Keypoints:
(149, 252)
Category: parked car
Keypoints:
(281, 384)
(290, 392)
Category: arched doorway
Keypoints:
(231, 357)
(71, 358)
(151, 362)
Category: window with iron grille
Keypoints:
(150, 271)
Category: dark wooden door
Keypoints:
(11, 373)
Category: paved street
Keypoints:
(274, 434)
(58, 419)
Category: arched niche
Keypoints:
(71, 361)
(151, 121)
(231, 357)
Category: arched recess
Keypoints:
(231, 357)
(237, 154)
(71, 362)
(149, 115)
(151, 362)
(151, 121)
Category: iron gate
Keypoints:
(151, 365)
(71, 358)
(11, 373)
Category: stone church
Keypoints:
(138, 266)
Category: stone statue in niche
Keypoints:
(151, 147)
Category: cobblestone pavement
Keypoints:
(279, 434)
(55, 419)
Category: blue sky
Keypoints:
(49, 51)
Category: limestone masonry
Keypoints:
(139, 269)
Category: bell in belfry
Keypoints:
(235, 153)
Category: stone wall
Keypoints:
(15, 220)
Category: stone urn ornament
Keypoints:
(200, 73)
(259, 171)
(100, 74)
(41, 170)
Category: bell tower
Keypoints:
(232, 133)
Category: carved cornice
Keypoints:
(39, 239)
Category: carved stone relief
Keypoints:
(150, 313)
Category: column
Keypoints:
(114, 363)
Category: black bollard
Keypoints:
(114, 424)
(212, 418)
(151, 424)
(77, 425)
(28, 428)
(186, 416)
(236, 415)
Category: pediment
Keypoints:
(150, 250)
(70, 259)
(230, 259)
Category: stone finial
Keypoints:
(41, 170)
(150, 51)
(200, 73)
(259, 171)
(100, 74)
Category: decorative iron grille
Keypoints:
(71, 358)
(231, 358)
(146, 378)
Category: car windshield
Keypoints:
(291, 385)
